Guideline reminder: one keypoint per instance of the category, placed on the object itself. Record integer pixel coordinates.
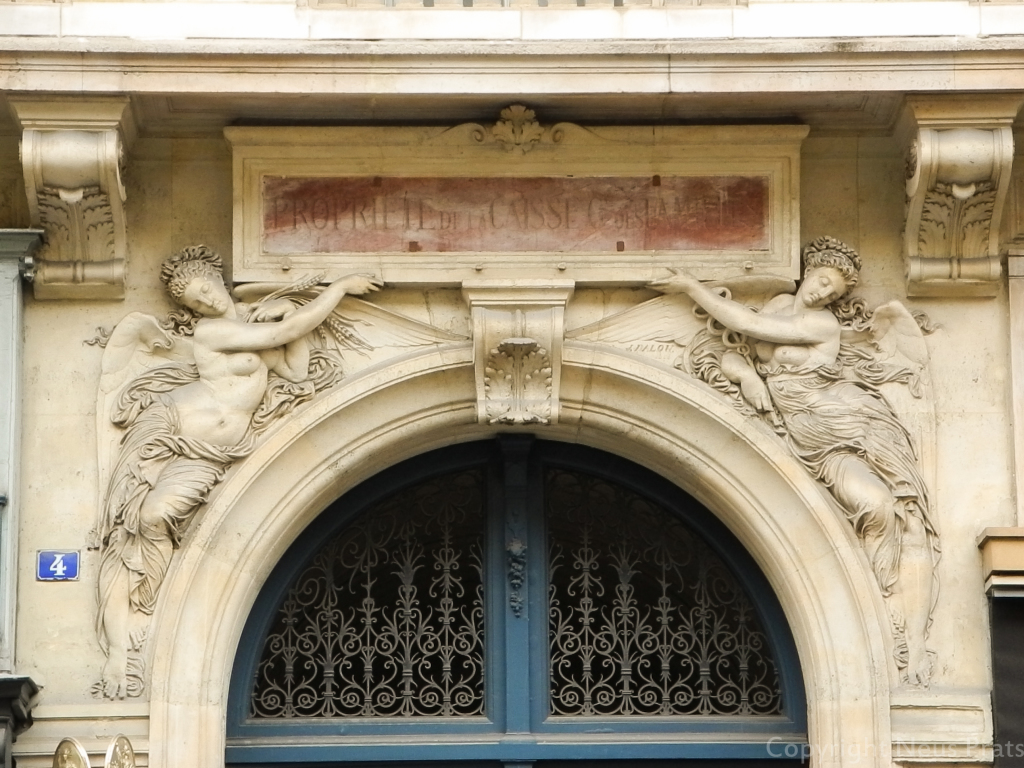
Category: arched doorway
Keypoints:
(515, 601)
(610, 401)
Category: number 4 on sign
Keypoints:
(57, 565)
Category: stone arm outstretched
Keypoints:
(290, 362)
(256, 337)
(801, 329)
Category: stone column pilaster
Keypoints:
(16, 246)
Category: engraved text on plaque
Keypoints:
(363, 214)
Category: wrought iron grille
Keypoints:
(387, 619)
(644, 619)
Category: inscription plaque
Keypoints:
(353, 215)
(440, 205)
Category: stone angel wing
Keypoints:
(672, 328)
(356, 326)
(664, 319)
(669, 318)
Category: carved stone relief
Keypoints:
(836, 382)
(518, 129)
(72, 157)
(958, 174)
(517, 333)
(183, 398)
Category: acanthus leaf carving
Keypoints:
(517, 335)
(182, 399)
(517, 131)
(517, 380)
(956, 222)
(976, 217)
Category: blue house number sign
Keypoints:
(57, 565)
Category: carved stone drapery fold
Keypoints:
(517, 335)
(957, 179)
(71, 152)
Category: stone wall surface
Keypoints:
(489, 21)
(166, 79)
(179, 193)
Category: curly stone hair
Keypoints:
(184, 267)
(829, 252)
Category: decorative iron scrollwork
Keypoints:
(644, 619)
(387, 620)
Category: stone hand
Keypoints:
(739, 371)
(756, 393)
(361, 284)
(273, 310)
(678, 282)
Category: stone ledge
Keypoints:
(1002, 558)
(285, 21)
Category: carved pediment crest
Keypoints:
(518, 129)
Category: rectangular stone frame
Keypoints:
(565, 151)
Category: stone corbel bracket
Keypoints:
(517, 336)
(958, 175)
(71, 153)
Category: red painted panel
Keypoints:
(568, 215)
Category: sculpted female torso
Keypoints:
(219, 406)
(234, 357)
(799, 358)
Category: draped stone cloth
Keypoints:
(828, 418)
(154, 463)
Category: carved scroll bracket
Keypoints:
(517, 334)
(958, 174)
(71, 153)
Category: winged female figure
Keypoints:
(187, 412)
(839, 424)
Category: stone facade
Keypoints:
(878, 139)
